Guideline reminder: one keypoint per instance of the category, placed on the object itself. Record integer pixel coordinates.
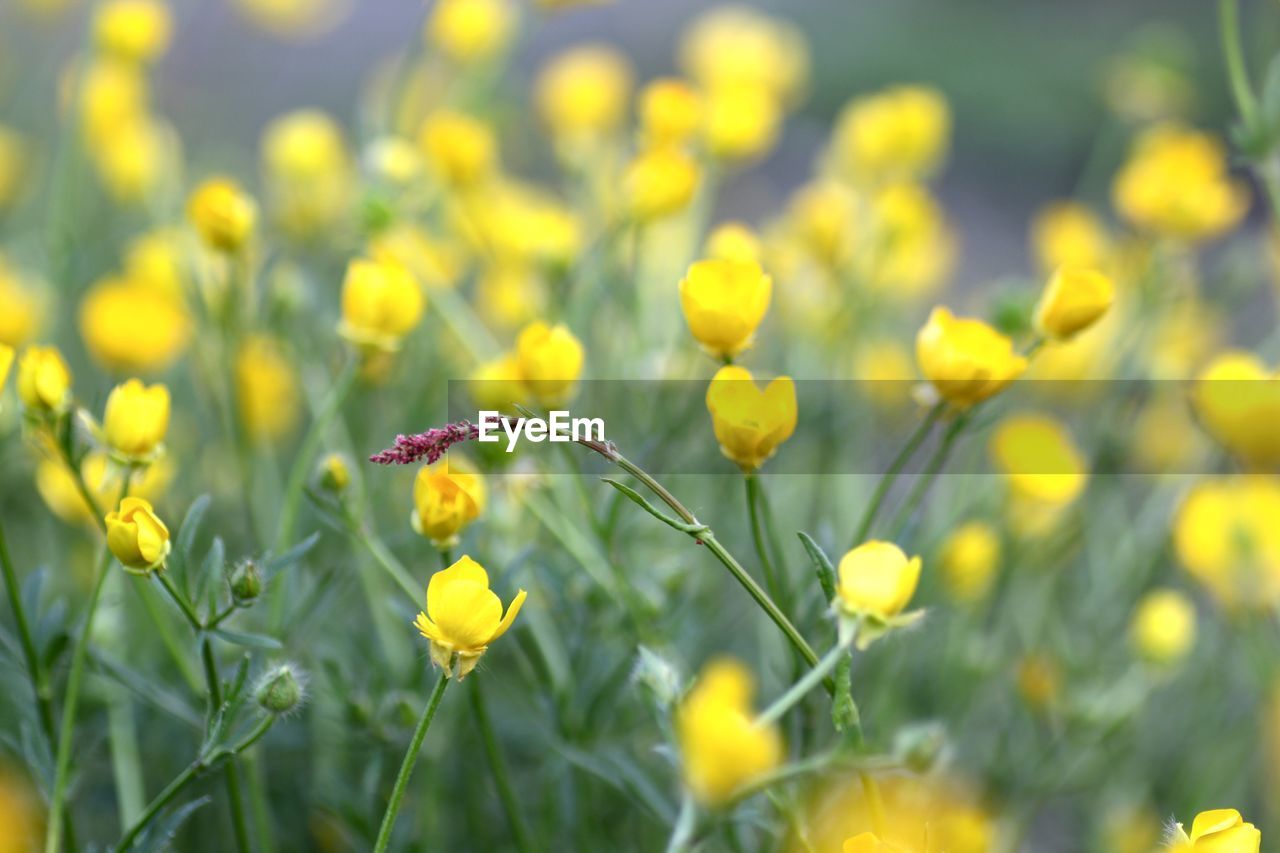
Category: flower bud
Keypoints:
(245, 582)
(1074, 300)
(1164, 627)
(44, 380)
(1217, 830)
(966, 360)
(470, 30)
(137, 537)
(136, 419)
(550, 361)
(724, 303)
(460, 150)
(659, 183)
(670, 112)
(876, 579)
(133, 30)
(334, 473)
(223, 214)
(969, 560)
(750, 423)
(381, 303)
(447, 497)
(280, 689)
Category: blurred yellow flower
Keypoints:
(824, 216)
(447, 497)
(294, 20)
(20, 309)
(381, 303)
(876, 579)
(223, 214)
(460, 151)
(670, 112)
(112, 94)
(103, 477)
(868, 842)
(44, 380)
(1176, 184)
(966, 360)
(1217, 831)
(510, 295)
(308, 170)
(21, 814)
(1163, 629)
(970, 559)
(1165, 438)
(582, 93)
(133, 30)
(1038, 678)
(659, 182)
(527, 225)
(750, 423)
(885, 373)
(464, 616)
(6, 361)
(740, 122)
(135, 159)
(1238, 402)
(470, 30)
(734, 241)
(157, 260)
(497, 384)
(1074, 299)
(549, 359)
(434, 262)
(267, 394)
(910, 245)
(334, 473)
(131, 326)
(14, 167)
(393, 159)
(137, 537)
(1038, 458)
(724, 303)
(722, 747)
(735, 47)
(1069, 234)
(1226, 536)
(136, 420)
(899, 133)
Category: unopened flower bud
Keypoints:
(280, 690)
(245, 582)
(334, 474)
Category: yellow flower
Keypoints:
(740, 122)
(334, 474)
(496, 384)
(966, 360)
(267, 393)
(1074, 300)
(136, 419)
(1069, 234)
(910, 246)
(133, 161)
(381, 303)
(447, 497)
(734, 47)
(722, 747)
(1163, 629)
(1045, 470)
(137, 537)
(549, 359)
(734, 241)
(724, 303)
(900, 133)
(969, 559)
(308, 171)
(1226, 536)
(510, 295)
(670, 112)
(6, 361)
(1176, 184)
(1218, 831)
(824, 215)
(20, 308)
(660, 182)
(460, 150)
(133, 30)
(433, 262)
(223, 214)
(749, 423)
(885, 373)
(44, 380)
(470, 30)
(1238, 401)
(103, 477)
(868, 842)
(112, 94)
(128, 325)
(876, 579)
(582, 93)
(394, 160)
(463, 615)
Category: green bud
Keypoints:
(334, 474)
(245, 582)
(279, 691)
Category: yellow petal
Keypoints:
(512, 610)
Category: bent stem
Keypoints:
(501, 776)
(895, 468)
(410, 758)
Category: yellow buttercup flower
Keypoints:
(393, 159)
(134, 30)
(103, 476)
(1227, 539)
(1237, 400)
(1163, 629)
(907, 812)
(510, 295)
(308, 169)
(660, 182)
(134, 160)
(1074, 299)
(885, 373)
(549, 359)
(267, 394)
(44, 380)
(20, 309)
(969, 559)
(722, 747)
(824, 217)
(381, 303)
(137, 537)
(582, 93)
(868, 842)
(464, 616)
(724, 303)
(966, 360)
(1217, 831)
(460, 150)
(900, 133)
(223, 214)
(112, 94)
(734, 47)
(1176, 184)
(734, 241)
(1045, 470)
(470, 30)
(876, 579)
(434, 262)
(910, 246)
(128, 325)
(749, 423)
(497, 384)
(740, 122)
(136, 419)
(157, 259)
(447, 497)
(670, 112)
(1069, 234)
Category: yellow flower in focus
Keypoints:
(136, 420)
(1225, 534)
(137, 537)
(470, 30)
(381, 303)
(267, 394)
(1163, 629)
(660, 182)
(740, 122)
(223, 214)
(447, 497)
(131, 326)
(876, 579)
(14, 167)
(885, 373)
(749, 423)
(497, 385)
(549, 359)
(1039, 460)
(20, 309)
(900, 133)
(1238, 402)
(464, 616)
(582, 93)
(1073, 300)
(966, 360)
(461, 151)
(308, 170)
(103, 477)
(722, 748)
(1069, 234)
(44, 380)
(970, 559)
(1176, 184)
(670, 112)
(733, 241)
(734, 47)
(724, 303)
(133, 30)
(1217, 831)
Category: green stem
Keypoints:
(686, 822)
(239, 826)
(446, 558)
(810, 680)
(178, 599)
(1237, 74)
(501, 776)
(771, 579)
(932, 469)
(410, 758)
(891, 474)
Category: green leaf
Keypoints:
(821, 563)
(149, 691)
(160, 835)
(190, 528)
(1269, 100)
(290, 557)
(211, 572)
(248, 640)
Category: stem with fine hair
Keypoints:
(501, 776)
(410, 758)
(895, 468)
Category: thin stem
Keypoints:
(932, 469)
(810, 680)
(891, 474)
(410, 758)
(83, 488)
(1237, 74)
(757, 536)
(501, 776)
(178, 599)
(214, 683)
(446, 558)
(686, 822)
